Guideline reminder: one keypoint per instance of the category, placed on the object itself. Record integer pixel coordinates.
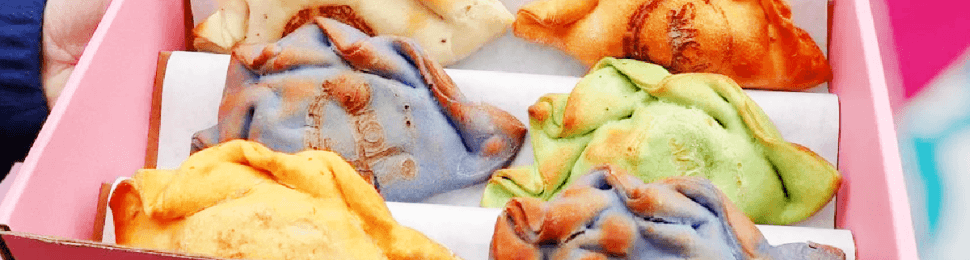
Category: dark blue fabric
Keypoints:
(23, 107)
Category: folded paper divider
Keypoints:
(467, 231)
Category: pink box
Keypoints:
(98, 131)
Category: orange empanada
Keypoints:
(241, 200)
(752, 41)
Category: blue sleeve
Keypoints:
(23, 107)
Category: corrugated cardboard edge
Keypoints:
(189, 24)
(828, 30)
(4, 250)
(102, 212)
(154, 118)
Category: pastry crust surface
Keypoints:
(608, 214)
(640, 118)
(449, 29)
(242, 200)
(380, 102)
(752, 41)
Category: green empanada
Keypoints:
(639, 117)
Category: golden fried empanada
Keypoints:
(242, 200)
(752, 41)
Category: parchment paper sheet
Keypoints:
(467, 231)
(511, 54)
(194, 82)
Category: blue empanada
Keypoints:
(380, 102)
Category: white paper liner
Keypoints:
(194, 82)
(512, 54)
(467, 231)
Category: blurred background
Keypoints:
(925, 46)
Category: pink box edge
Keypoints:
(902, 225)
(892, 162)
(63, 102)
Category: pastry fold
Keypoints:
(608, 214)
(449, 29)
(654, 125)
(380, 102)
(752, 41)
(242, 200)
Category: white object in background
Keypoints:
(934, 144)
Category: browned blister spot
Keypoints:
(803, 148)
(223, 240)
(292, 92)
(268, 52)
(514, 235)
(550, 169)
(263, 217)
(409, 169)
(632, 45)
(493, 146)
(505, 122)
(687, 53)
(575, 193)
(566, 216)
(540, 111)
(617, 141)
(676, 37)
(617, 239)
(342, 13)
(365, 56)
(352, 92)
(642, 201)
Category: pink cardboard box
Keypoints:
(98, 131)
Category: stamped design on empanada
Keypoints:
(753, 42)
(353, 94)
(683, 44)
(382, 103)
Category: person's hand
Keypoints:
(68, 26)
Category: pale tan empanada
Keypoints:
(448, 29)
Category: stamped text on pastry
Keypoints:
(353, 95)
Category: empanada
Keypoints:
(242, 200)
(380, 102)
(752, 41)
(608, 214)
(448, 29)
(639, 118)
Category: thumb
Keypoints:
(68, 26)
